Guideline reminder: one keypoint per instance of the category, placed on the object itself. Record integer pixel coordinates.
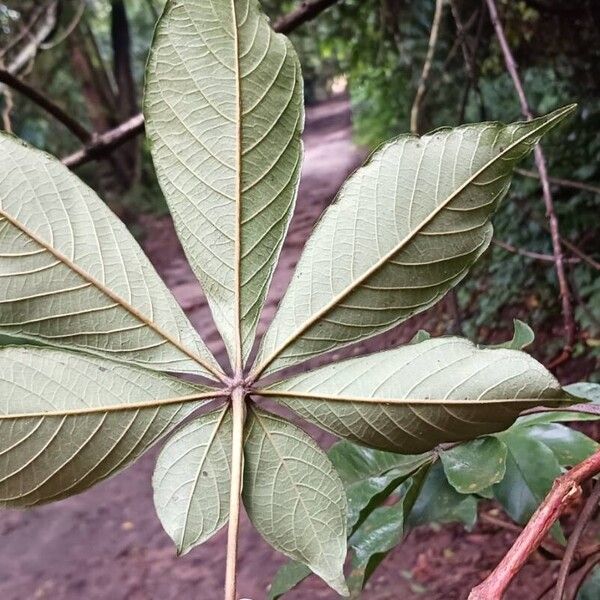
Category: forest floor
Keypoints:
(107, 543)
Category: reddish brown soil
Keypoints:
(107, 544)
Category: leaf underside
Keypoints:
(192, 478)
(72, 276)
(413, 398)
(294, 497)
(403, 231)
(68, 420)
(224, 107)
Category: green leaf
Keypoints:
(287, 578)
(355, 464)
(404, 230)
(72, 276)
(439, 502)
(585, 391)
(523, 336)
(531, 469)
(569, 446)
(475, 466)
(69, 420)
(420, 336)
(224, 112)
(294, 497)
(412, 398)
(192, 478)
(370, 475)
(380, 533)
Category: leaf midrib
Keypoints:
(114, 407)
(402, 401)
(383, 260)
(110, 294)
(238, 200)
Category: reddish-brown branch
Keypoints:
(565, 490)
(76, 128)
(582, 521)
(540, 161)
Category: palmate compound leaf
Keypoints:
(404, 230)
(192, 478)
(224, 110)
(72, 276)
(70, 420)
(294, 496)
(413, 398)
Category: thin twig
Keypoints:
(534, 255)
(549, 545)
(237, 461)
(76, 128)
(566, 489)
(568, 183)
(422, 87)
(540, 161)
(105, 143)
(582, 521)
(68, 30)
(307, 11)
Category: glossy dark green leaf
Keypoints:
(476, 465)
(439, 502)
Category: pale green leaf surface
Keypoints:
(403, 231)
(294, 497)
(413, 398)
(69, 420)
(72, 276)
(523, 336)
(475, 466)
(585, 390)
(224, 111)
(192, 480)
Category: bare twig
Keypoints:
(534, 255)
(550, 546)
(307, 11)
(422, 87)
(568, 183)
(540, 161)
(76, 128)
(584, 518)
(566, 489)
(103, 144)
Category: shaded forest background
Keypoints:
(89, 57)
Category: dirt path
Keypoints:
(107, 544)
